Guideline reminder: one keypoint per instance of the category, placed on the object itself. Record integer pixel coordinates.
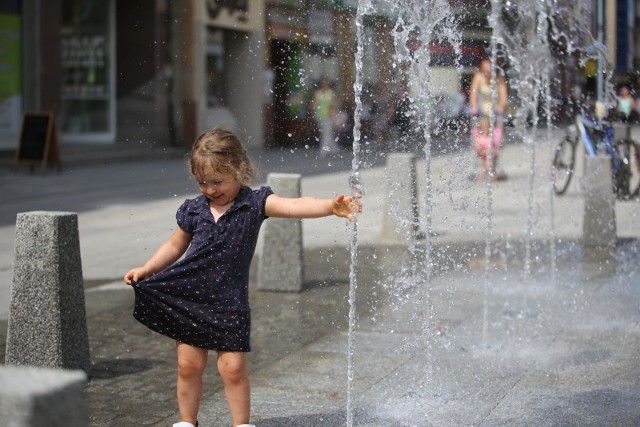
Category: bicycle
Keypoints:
(598, 138)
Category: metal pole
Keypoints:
(38, 57)
(600, 35)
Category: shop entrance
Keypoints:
(88, 71)
(289, 120)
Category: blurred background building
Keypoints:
(159, 72)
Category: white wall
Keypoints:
(245, 74)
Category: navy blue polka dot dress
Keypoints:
(203, 299)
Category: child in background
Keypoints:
(481, 105)
(202, 301)
(482, 142)
(626, 106)
(324, 108)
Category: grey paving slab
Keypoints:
(519, 345)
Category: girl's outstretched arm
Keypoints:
(310, 207)
(168, 253)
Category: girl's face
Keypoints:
(220, 189)
(485, 67)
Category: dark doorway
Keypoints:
(288, 119)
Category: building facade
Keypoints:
(98, 65)
(160, 72)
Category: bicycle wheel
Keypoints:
(627, 179)
(634, 184)
(562, 167)
(634, 168)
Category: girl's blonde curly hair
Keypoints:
(220, 151)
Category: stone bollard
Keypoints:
(47, 319)
(599, 221)
(37, 397)
(621, 131)
(281, 259)
(400, 222)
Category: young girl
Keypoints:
(626, 107)
(202, 301)
(481, 105)
(324, 107)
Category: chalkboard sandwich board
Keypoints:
(38, 141)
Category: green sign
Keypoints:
(10, 72)
(9, 56)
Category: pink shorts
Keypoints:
(481, 141)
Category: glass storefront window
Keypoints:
(88, 110)
(10, 72)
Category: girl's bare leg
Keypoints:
(232, 367)
(191, 364)
(494, 170)
(485, 165)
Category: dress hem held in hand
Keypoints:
(203, 299)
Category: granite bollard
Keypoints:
(47, 319)
(280, 263)
(599, 225)
(39, 397)
(400, 222)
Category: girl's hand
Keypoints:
(135, 275)
(346, 206)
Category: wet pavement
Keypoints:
(504, 343)
(465, 349)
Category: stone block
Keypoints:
(621, 130)
(400, 221)
(42, 397)
(280, 267)
(47, 319)
(599, 220)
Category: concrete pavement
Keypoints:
(472, 346)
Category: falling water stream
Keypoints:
(544, 28)
(493, 22)
(425, 22)
(356, 190)
(520, 48)
(519, 45)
